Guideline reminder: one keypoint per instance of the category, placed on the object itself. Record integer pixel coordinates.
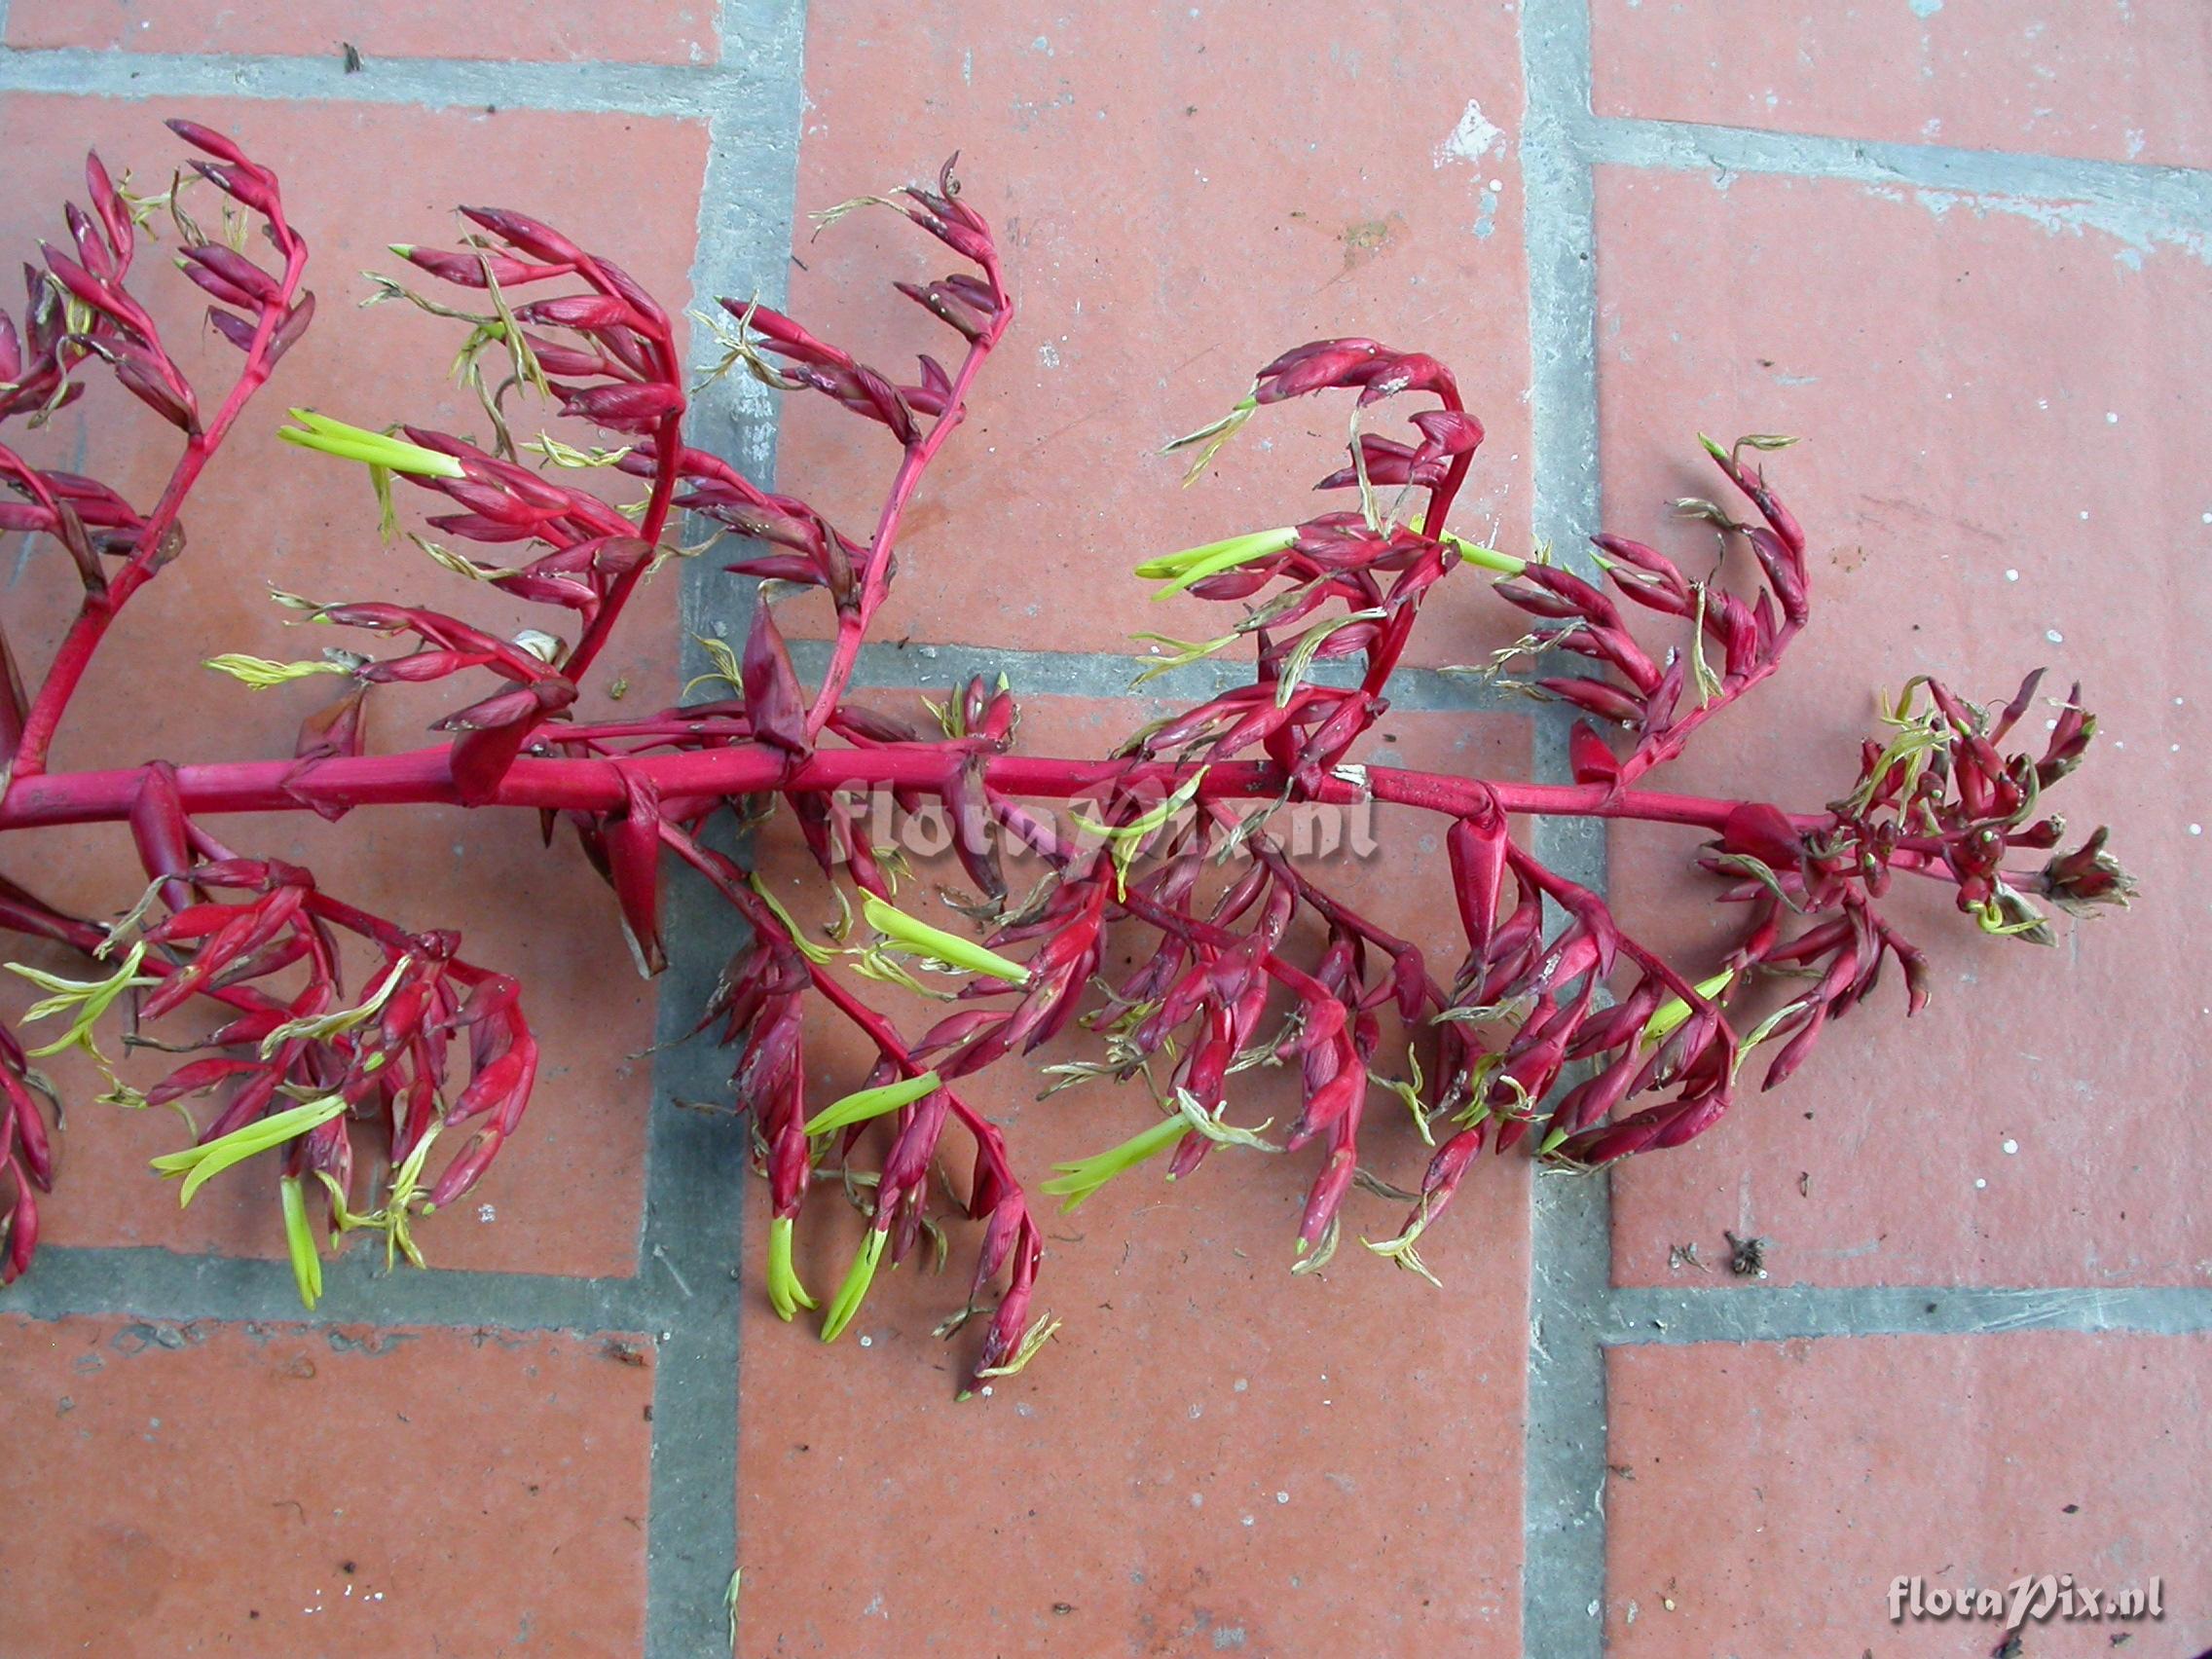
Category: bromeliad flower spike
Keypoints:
(1558, 1031)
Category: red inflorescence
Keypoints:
(1558, 1030)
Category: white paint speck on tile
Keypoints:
(2011, 1147)
(1474, 137)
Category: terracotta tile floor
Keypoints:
(1961, 250)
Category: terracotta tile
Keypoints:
(662, 31)
(565, 1192)
(1763, 1498)
(1991, 479)
(212, 1487)
(2117, 80)
(1212, 1456)
(1180, 198)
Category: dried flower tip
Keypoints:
(90, 999)
(321, 1027)
(573, 459)
(1400, 1249)
(1209, 1125)
(393, 1217)
(1184, 653)
(1311, 1260)
(1126, 841)
(1032, 1341)
(260, 672)
(1210, 438)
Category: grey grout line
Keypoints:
(698, 1167)
(1106, 674)
(1667, 1315)
(161, 1284)
(748, 93)
(1562, 1578)
(2143, 205)
(2143, 202)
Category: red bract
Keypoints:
(1558, 1029)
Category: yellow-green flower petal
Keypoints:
(198, 1165)
(847, 1301)
(1193, 564)
(919, 939)
(1668, 1017)
(786, 1295)
(371, 449)
(1078, 1180)
(299, 1236)
(868, 1103)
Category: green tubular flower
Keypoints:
(1484, 558)
(919, 939)
(299, 1238)
(371, 449)
(786, 1295)
(1194, 565)
(847, 1301)
(1474, 552)
(198, 1165)
(870, 1103)
(1078, 1180)
(1666, 1018)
